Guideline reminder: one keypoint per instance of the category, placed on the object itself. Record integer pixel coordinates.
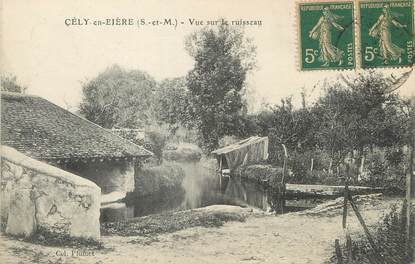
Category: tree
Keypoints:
(119, 98)
(337, 119)
(378, 111)
(346, 120)
(223, 57)
(359, 117)
(284, 124)
(172, 103)
(9, 84)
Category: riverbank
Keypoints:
(168, 222)
(302, 237)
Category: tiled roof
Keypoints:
(43, 130)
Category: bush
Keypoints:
(322, 177)
(264, 174)
(390, 238)
(228, 140)
(385, 169)
(155, 141)
(183, 152)
(300, 167)
(157, 179)
(182, 134)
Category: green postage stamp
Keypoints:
(386, 33)
(326, 35)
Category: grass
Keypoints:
(51, 239)
(390, 239)
(169, 222)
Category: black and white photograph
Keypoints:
(207, 131)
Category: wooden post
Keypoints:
(220, 173)
(368, 235)
(283, 181)
(346, 197)
(344, 222)
(312, 165)
(362, 166)
(409, 197)
(284, 166)
(410, 183)
(338, 252)
(350, 257)
(346, 194)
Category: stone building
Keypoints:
(46, 132)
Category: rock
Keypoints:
(219, 208)
(43, 197)
(10, 174)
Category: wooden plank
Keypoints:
(303, 203)
(329, 191)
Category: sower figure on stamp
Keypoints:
(322, 32)
(382, 30)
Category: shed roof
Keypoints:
(239, 145)
(43, 130)
(248, 151)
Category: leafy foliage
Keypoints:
(390, 237)
(119, 98)
(172, 102)
(349, 123)
(346, 124)
(155, 141)
(285, 125)
(223, 57)
(9, 84)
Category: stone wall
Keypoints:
(36, 196)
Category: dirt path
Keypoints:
(291, 238)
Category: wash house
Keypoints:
(46, 132)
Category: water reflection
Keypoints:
(235, 192)
(114, 212)
(250, 193)
(155, 204)
(201, 187)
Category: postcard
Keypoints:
(196, 131)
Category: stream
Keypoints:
(201, 187)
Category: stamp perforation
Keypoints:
(356, 33)
(327, 56)
(411, 34)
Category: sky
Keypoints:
(53, 59)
